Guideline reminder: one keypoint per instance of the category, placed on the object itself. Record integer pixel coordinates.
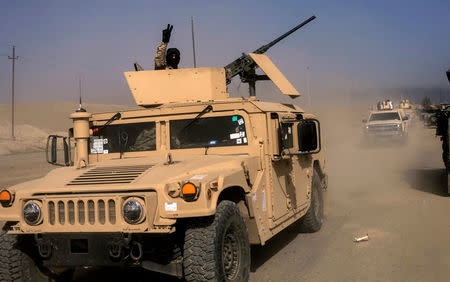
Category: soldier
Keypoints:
(379, 105)
(169, 59)
(389, 104)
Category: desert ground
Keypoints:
(393, 193)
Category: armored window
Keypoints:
(287, 139)
(130, 137)
(208, 132)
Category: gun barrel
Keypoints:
(266, 47)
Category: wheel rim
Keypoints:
(231, 254)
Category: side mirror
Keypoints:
(51, 150)
(405, 118)
(364, 120)
(308, 137)
(54, 147)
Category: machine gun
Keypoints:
(245, 66)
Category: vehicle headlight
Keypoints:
(398, 125)
(32, 213)
(133, 210)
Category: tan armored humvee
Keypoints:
(182, 186)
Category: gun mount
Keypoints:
(245, 66)
(157, 87)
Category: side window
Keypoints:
(287, 139)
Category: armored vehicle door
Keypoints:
(290, 173)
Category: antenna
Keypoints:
(80, 108)
(193, 41)
(79, 88)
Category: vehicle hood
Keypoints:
(139, 173)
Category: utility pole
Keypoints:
(13, 58)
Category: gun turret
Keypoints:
(245, 66)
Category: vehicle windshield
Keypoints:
(384, 116)
(131, 137)
(208, 132)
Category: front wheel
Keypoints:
(448, 184)
(16, 265)
(313, 219)
(217, 248)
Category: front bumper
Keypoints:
(83, 249)
(92, 213)
(384, 133)
(152, 252)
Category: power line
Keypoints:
(13, 58)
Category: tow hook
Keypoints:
(45, 249)
(115, 250)
(135, 250)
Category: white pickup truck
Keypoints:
(390, 124)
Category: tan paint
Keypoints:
(277, 187)
(81, 135)
(177, 85)
(275, 75)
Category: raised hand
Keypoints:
(166, 33)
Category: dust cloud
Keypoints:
(393, 192)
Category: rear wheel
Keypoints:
(217, 248)
(313, 219)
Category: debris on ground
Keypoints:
(360, 239)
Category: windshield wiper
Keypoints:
(205, 110)
(113, 118)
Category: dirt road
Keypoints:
(392, 193)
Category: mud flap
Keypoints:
(174, 268)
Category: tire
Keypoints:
(16, 265)
(448, 184)
(217, 248)
(313, 219)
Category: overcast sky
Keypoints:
(351, 44)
